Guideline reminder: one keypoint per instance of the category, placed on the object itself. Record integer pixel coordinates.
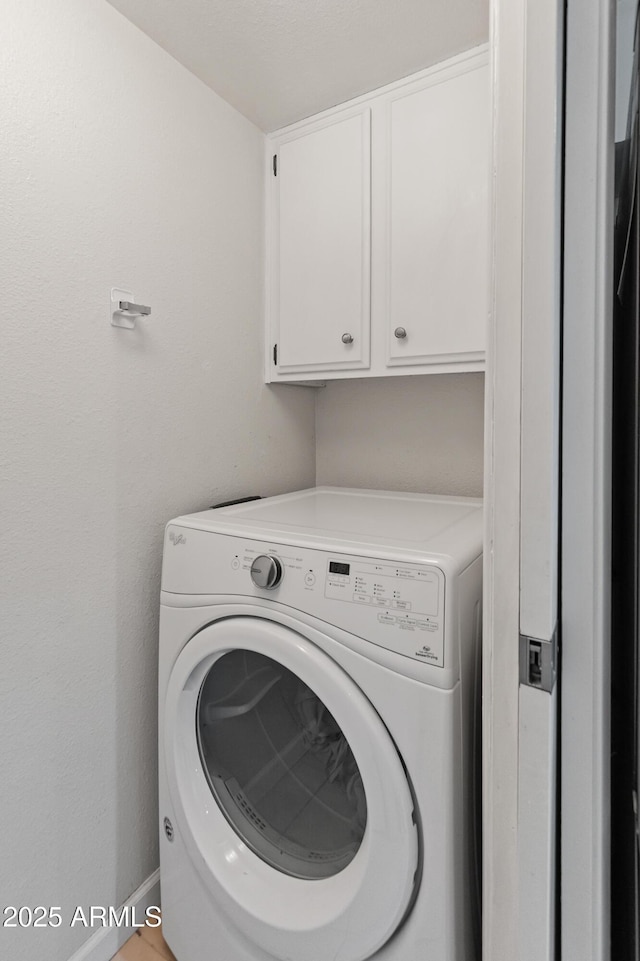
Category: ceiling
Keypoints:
(277, 61)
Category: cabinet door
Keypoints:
(322, 271)
(438, 256)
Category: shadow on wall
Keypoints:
(422, 434)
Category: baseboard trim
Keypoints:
(105, 942)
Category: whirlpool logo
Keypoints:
(177, 538)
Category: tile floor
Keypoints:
(147, 944)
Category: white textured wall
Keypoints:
(117, 167)
(421, 433)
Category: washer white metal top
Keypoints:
(356, 520)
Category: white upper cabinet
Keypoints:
(323, 279)
(438, 212)
(378, 231)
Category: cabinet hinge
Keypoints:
(275, 354)
(275, 165)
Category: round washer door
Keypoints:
(288, 792)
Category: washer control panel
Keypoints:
(383, 585)
(398, 606)
(404, 598)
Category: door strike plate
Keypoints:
(539, 662)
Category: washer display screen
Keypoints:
(279, 766)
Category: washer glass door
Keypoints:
(287, 791)
(279, 766)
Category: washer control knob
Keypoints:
(266, 571)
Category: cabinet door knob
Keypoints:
(400, 333)
(347, 339)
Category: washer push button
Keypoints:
(386, 619)
(362, 598)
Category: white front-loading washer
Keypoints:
(318, 701)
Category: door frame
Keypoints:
(586, 494)
(522, 460)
